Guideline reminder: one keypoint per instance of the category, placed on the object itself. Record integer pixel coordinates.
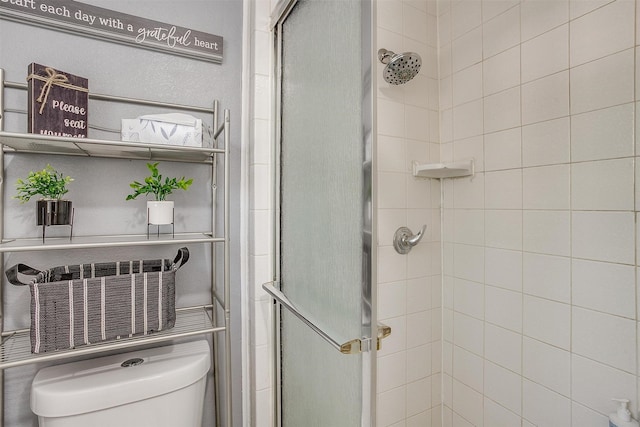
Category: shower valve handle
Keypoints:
(404, 239)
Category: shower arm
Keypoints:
(385, 55)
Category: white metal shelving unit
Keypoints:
(15, 348)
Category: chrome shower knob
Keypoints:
(404, 239)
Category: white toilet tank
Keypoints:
(165, 390)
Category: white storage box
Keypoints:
(169, 129)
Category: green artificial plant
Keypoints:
(48, 183)
(154, 184)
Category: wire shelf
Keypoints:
(15, 349)
(85, 242)
(44, 144)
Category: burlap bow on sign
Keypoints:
(54, 78)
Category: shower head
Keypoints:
(401, 67)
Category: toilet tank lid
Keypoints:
(101, 383)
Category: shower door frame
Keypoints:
(369, 286)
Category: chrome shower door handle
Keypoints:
(404, 239)
(354, 346)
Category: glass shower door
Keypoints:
(324, 227)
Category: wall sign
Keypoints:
(76, 17)
(58, 102)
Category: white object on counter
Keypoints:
(170, 129)
(622, 418)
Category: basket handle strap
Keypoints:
(12, 273)
(181, 258)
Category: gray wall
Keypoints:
(101, 185)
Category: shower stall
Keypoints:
(325, 323)
(520, 304)
(326, 332)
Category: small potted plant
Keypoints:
(51, 209)
(160, 210)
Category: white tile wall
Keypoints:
(409, 286)
(468, 368)
(585, 417)
(260, 256)
(592, 383)
(545, 55)
(503, 150)
(546, 187)
(547, 365)
(501, 71)
(503, 268)
(547, 276)
(498, 416)
(467, 404)
(547, 232)
(546, 143)
(504, 386)
(603, 236)
(466, 295)
(555, 321)
(467, 120)
(466, 50)
(579, 8)
(468, 333)
(546, 98)
(467, 84)
(604, 287)
(602, 83)
(603, 134)
(502, 110)
(538, 17)
(501, 32)
(605, 31)
(503, 229)
(503, 308)
(543, 407)
(503, 347)
(494, 8)
(603, 185)
(468, 192)
(594, 334)
(547, 321)
(465, 17)
(503, 189)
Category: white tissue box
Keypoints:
(169, 129)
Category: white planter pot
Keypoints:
(160, 213)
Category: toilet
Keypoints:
(158, 387)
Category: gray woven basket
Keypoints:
(75, 305)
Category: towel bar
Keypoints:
(353, 346)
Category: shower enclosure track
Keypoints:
(15, 348)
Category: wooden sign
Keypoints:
(93, 21)
(57, 102)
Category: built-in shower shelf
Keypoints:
(443, 170)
